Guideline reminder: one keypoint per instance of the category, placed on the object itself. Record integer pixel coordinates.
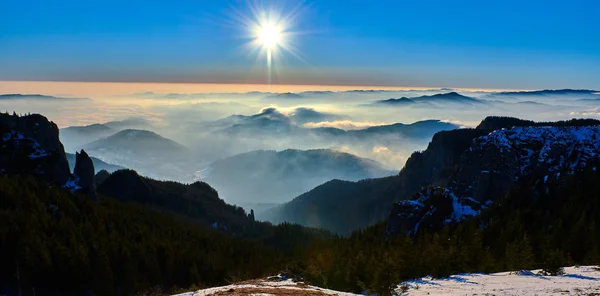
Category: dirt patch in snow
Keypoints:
(266, 291)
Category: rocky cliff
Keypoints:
(491, 165)
(29, 145)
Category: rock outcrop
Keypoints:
(492, 165)
(84, 172)
(30, 145)
(431, 208)
(496, 161)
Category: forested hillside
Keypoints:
(56, 243)
(536, 225)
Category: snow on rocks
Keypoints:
(433, 207)
(508, 155)
(72, 184)
(19, 138)
(581, 280)
(272, 286)
(491, 166)
(583, 142)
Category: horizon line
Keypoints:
(247, 87)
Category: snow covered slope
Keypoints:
(583, 280)
(273, 286)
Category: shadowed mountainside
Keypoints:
(270, 176)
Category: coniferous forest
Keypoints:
(56, 243)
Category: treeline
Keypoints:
(499, 122)
(540, 224)
(55, 243)
(200, 203)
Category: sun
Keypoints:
(269, 36)
(270, 33)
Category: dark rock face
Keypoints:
(434, 165)
(431, 208)
(493, 164)
(30, 145)
(84, 174)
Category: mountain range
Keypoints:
(145, 151)
(546, 94)
(436, 100)
(74, 137)
(442, 164)
(272, 122)
(36, 97)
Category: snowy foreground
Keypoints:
(583, 280)
(274, 286)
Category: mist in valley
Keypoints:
(259, 149)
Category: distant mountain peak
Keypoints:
(133, 136)
(399, 101)
(548, 92)
(431, 100)
(285, 95)
(36, 97)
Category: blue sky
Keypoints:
(461, 43)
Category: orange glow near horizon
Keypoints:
(106, 89)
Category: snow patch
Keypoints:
(462, 211)
(581, 144)
(18, 138)
(72, 184)
(582, 280)
(267, 287)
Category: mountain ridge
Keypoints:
(276, 176)
(433, 166)
(430, 100)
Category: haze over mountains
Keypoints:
(297, 171)
(276, 177)
(180, 136)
